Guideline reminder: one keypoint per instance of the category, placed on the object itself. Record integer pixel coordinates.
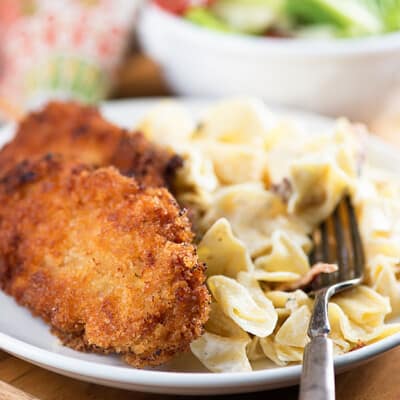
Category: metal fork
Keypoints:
(336, 241)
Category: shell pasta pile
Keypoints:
(256, 185)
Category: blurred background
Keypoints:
(335, 57)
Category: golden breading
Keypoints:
(80, 132)
(110, 265)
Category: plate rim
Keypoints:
(189, 382)
(184, 380)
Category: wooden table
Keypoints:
(376, 380)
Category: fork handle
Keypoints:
(318, 378)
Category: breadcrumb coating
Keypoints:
(80, 132)
(108, 263)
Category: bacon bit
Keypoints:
(283, 189)
(316, 269)
(360, 344)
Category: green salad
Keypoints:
(291, 18)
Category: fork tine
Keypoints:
(347, 250)
(312, 256)
(316, 256)
(343, 260)
(325, 241)
(320, 253)
(327, 254)
(359, 257)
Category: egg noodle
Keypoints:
(256, 186)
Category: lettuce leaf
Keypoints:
(389, 11)
(249, 16)
(352, 16)
(205, 18)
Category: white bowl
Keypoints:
(351, 77)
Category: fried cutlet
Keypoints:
(80, 132)
(108, 263)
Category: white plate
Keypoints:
(28, 338)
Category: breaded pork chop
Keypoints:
(108, 264)
(80, 132)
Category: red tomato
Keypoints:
(180, 6)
